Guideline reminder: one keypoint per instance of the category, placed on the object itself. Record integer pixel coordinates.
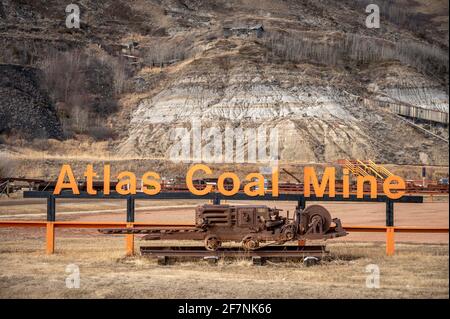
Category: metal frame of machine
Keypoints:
(249, 224)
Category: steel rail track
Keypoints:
(258, 256)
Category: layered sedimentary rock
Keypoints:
(318, 113)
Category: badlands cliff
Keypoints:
(312, 69)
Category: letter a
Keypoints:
(60, 184)
(73, 19)
(373, 19)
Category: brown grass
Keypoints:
(417, 271)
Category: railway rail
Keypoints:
(259, 256)
(11, 184)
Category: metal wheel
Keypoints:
(250, 243)
(317, 218)
(288, 232)
(212, 243)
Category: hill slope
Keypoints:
(316, 72)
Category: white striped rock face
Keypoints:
(425, 97)
(258, 102)
(318, 118)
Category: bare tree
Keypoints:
(80, 118)
(425, 58)
(84, 85)
(163, 51)
(63, 74)
(7, 167)
(298, 49)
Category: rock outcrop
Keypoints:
(25, 107)
(319, 112)
(314, 71)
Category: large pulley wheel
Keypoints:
(316, 219)
(250, 243)
(212, 243)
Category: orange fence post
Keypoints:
(390, 241)
(130, 241)
(50, 230)
(50, 237)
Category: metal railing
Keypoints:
(216, 198)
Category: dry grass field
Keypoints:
(416, 271)
(419, 268)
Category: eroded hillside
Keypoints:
(314, 71)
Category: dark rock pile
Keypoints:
(25, 107)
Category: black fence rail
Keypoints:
(216, 198)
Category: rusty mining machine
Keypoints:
(249, 224)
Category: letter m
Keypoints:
(329, 178)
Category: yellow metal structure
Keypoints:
(366, 168)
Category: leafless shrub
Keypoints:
(92, 71)
(120, 76)
(80, 118)
(84, 84)
(116, 65)
(430, 60)
(63, 74)
(7, 167)
(298, 49)
(164, 51)
(366, 50)
(426, 58)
